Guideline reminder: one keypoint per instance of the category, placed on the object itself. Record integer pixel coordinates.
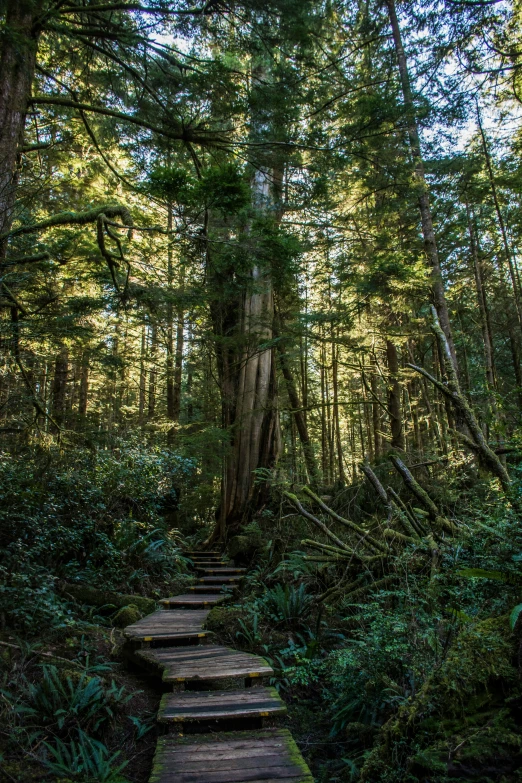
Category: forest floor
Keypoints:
(125, 702)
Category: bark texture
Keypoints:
(249, 402)
(18, 46)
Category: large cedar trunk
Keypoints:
(249, 394)
(18, 46)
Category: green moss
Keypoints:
(127, 615)
(96, 597)
(460, 721)
(242, 549)
(224, 622)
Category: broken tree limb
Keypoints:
(394, 534)
(336, 554)
(331, 551)
(421, 495)
(364, 536)
(451, 389)
(416, 524)
(393, 509)
(317, 522)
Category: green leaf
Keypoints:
(513, 617)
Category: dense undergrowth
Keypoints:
(87, 543)
(395, 672)
(414, 678)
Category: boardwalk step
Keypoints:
(206, 588)
(244, 757)
(221, 570)
(220, 580)
(205, 662)
(190, 706)
(207, 558)
(168, 626)
(192, 600)
(210, 563)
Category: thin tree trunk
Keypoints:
(178, 359)
(170, 318)
(324, 424)
(428, 232)
(143, 376)
(336, 418)
(394, 397)
(515, 282)
(84, 387)
(153, 372)
(59, 390)
(190, 376)
(299, 417)
(483, 306)
(376, 413)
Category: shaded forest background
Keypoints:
(260, 287)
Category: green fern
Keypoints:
(286, 604)
(87, 760)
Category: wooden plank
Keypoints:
(217, 580)
(192, 600)
(171, 624)
(206, 662)
(216, 589)
(198, 564)
(269, 755)
(221, 571)
(217, 705)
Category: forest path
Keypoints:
(218, 712)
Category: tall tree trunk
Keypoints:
(255, 427)
(59, 390)
(170, 321)
(376, 413)
(428, 232)
(485, 325)
(513, 272)
(324, 421)
(153, 373)
(394, 397)
(336, 418)
(143, 376)
(299, 418)
(84, 386)
(190, 376)
(18, 47)
(178, 359)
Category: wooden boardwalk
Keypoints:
(217, 707)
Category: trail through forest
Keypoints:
(261, 296)
(235, 749)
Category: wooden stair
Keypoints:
(192, 600)
(206, 662)
(219, 580)
(205, 588)
(191, 706)
(221, 570)
(270, 755)
(171, 643)
(170, 626)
